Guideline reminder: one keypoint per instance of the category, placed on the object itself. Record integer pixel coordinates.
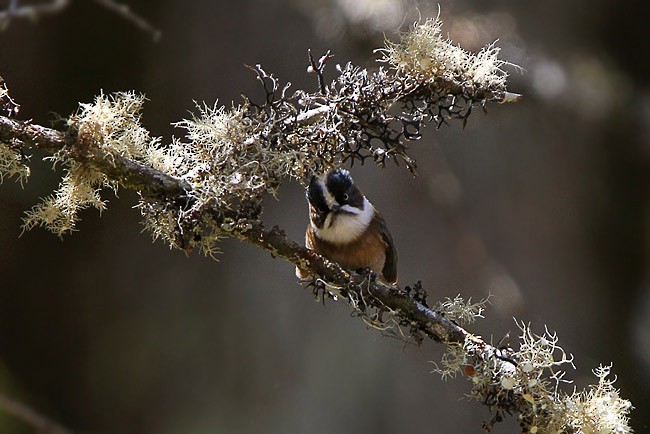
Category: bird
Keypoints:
(345, 227)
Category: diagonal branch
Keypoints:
(30, 416)
(146, 180)
(136, 176)
(496, 371)
(128, 173)
(212, 184)
(33, 12)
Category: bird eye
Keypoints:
(346, 196)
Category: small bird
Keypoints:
(345, 228)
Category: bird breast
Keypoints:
(367, 250)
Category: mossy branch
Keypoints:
(468, 353)
(128, 173)
(211, 184)
(146, 180)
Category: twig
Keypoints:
(136, 176)
(125, 12)
(27, 414)
(31, 11)
(35, 11)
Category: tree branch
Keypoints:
(15, 11)
(213, 183)
(434, 325)
(136, 176)
(31, 11)
(128, 173)
(354, 287)
(125, 12)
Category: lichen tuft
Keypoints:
(111, 124)
(426, 55)
(526, 381)
(13, 164)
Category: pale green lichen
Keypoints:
(79, 189)
(219, 158)
(460, 310)
(112, 125)
(452, 362)
(12, 164)
(597, 410)
(112, 122)
(232, 157)
(12, 161)
(526, 381)
(425, 54)
(225, 169)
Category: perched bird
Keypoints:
(345, 228)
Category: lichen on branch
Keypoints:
(231, 158)
(13, 162)
(211, 182)
(526, 382)
(109, 127)
(234, 157)
(425, 55)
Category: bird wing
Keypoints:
(390, 264)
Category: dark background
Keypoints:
(544, 204)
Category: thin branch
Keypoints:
(133, 175)
(215, 180)
(30, 416)
(24, 133)
(33, 12)
(125, 12)
(496, 386)
(494, 369)
(434, 325)
(136, 176)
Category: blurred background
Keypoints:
(545, 204)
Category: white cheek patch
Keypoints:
(347, 226)
(329, 199)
